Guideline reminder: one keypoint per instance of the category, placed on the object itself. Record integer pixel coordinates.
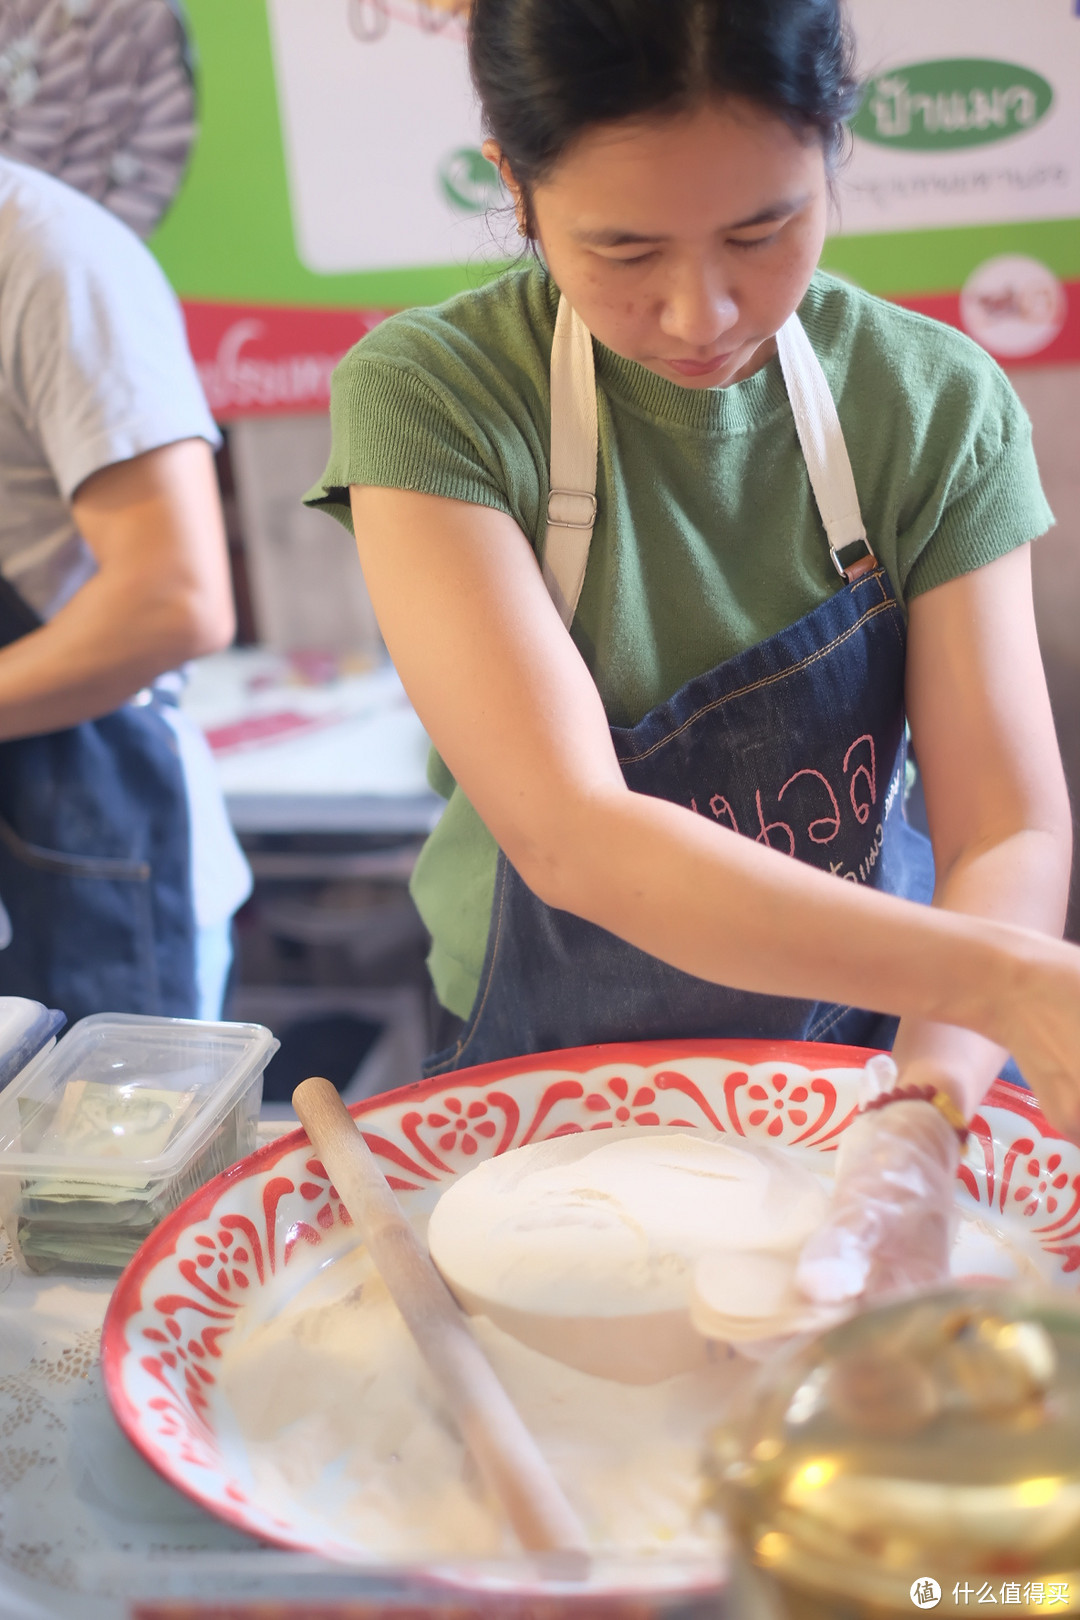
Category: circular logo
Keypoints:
(1014, 306)
(925, 1592)
(469, 182)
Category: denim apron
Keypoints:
(95, 863)
(798, 742)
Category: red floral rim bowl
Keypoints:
(210, 1266)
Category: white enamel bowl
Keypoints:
(274, 1215)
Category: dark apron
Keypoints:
(95, 860)
(797, 742)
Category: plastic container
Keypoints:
(115, 1125)
(26, 1028)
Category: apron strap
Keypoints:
(571, 508)
(824, 451)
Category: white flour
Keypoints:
(341, 1425)
(339, 1415)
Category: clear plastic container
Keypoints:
(26, 1028)
(104, 1133)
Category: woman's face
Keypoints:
(684, 243)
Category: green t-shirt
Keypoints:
(707, 538)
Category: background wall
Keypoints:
(337, 174)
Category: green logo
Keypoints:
(469, 182)
(939, 106)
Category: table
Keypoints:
(311, 743)
(81, 1515)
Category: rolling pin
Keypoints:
(506, 1454)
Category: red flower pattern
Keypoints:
(777, 1105)
(624, 1105)
(333, 1209)
(1044, 1184)
(229, 1256)
(191, 1359)
(460, 1126)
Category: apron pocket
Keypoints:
(75, 866)
(82, 929)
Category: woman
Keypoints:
(742, 594)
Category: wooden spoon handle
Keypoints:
(505, 1451)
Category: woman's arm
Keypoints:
(995, 791)
(161, 593)
(999, 819)
(514, 712)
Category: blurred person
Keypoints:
(119, 872)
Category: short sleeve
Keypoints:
(989, 499)
(452, 401)
(940, 445)
(397, 429)
(94, 344)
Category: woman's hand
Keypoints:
(892, 1219)
(1039, 1021)
(893, 1214)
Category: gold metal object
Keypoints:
(929, 1439)
(951, 1114)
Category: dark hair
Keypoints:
(547, 70)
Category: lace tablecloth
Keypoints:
(82, 1517)
(71, 1485)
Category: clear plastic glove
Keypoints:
(893, 1216)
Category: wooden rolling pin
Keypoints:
(505, 1452)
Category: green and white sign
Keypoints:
(337, 173)
(382, 136)
(949, 135)
(945, 105)
(470, 183)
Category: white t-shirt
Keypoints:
(94, 369)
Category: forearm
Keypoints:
(161, 594)
(724, 908)
(1022, 879)
(85, 662)
(100, 649)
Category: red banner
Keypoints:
(258, 360)
(1062, 348)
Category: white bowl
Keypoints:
(274, 1215)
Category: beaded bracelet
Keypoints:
(937, 1099)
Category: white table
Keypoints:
(79, 1509)
(308, 745)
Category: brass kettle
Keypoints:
(923, 1454)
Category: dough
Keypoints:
(585, 1246)
(613, 1224)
